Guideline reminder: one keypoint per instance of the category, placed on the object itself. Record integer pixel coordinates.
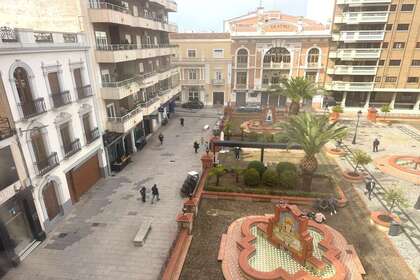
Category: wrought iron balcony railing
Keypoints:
(32, 108)
(6, 130)
(61, 99)
(72, 148)
(43, 166)
(92, 135)
(84, 92)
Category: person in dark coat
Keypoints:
(237, 152)
(196, 146)
(376, 145)
(181, 121)
(370, 186)
(143, 193)
(155, 193)
(161, 138)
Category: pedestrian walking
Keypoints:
(237, 152)
(143, 193)
(196, 146)
(181, 121)
(161, 138)
(370, 186)
(376, 145)
(155, 193)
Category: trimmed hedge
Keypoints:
(286, 166)
(289, 179)
(251, 177)
(257, 165)
(270, 178)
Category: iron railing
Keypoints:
(6, 130)
(71, 148)
(43, 166)
(61, 99)
(84, 91)
(32, 108)
(92, 135)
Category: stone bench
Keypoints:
(142, 233)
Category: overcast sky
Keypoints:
(208, 15)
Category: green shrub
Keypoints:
(257, 165)
(253, 136)
(270, 178)
(288, 179)
(251, 177)
(285, 166)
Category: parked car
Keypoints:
(194, 104)
(251, 107)
(190, 183)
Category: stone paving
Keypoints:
(95, 239)
(393, 141)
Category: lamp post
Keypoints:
(357, 125)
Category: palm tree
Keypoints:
(311, 133)
(386, 109)
(360, 158)
(296, 89)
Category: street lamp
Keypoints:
(357, 125)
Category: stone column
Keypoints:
(343, 101)
(133, 141)
(394, 97)
(367, 100)
(185, 220)
(417, 105)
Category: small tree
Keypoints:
(337, 109)
(217, 171)
(386, 109)
(395, 197)
(360, 158)
(227, 130)
(237, 171)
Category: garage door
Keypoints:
(82, 178)
(218, 98)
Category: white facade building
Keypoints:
(46, 80)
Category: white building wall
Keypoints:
(33, 60)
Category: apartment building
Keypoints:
(46, 83)
(20, 229)
(375, 55)
(205, 63)
(268, 46)
(132, 65)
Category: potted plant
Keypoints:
(393, 197)
(335, 112)
(360, 158)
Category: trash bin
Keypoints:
(394, 229)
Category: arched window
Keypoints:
(313, 56)
(242, 58)
(277, 55)
(22, 85)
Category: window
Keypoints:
(394, 62)
(110, 110)
(192, 74)
(9, 171)
(277, 55)
(141, 67)
(105, 76)
(389, 27)
(241, 78)
(385, 45)
(135, 11)
(313, 56)
(398, 45)
(393, 7)
(390, 79)
(415, 62)
(407, 7)
(403, 27)
(381, 62)
(101, 39)
(377, 79)
(242, 58)
(193, 94)
(192, 53)
(218, 53)
(412, 79)
(218, 75)
(311, 76)
(418, 45)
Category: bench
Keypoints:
(142, 233)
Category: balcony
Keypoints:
(92, 135)
(368, 35)
(313, 65)
(218, 82)
(353, 54)
(273, 65)
(352, 70)
(115, 53)
(193, 82)
(241, 65)
(72, 148)
(352, 2)
(6, 130)
(44, 166)
(120, 89)
(102, 12)
(84, 92)
(167, 94)
(150, 105)
(125, 122)
(167, 4)
(32, 108)
(349, 86)
(61, 99)
(362, 17)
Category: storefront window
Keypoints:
(8, 173)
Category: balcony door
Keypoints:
(54, 83)
(24, 90)
(40, 152)
(50, 200)
(78, 77)
(87, 127)
(66, 137)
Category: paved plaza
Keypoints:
(95, 239)
(394, 140)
